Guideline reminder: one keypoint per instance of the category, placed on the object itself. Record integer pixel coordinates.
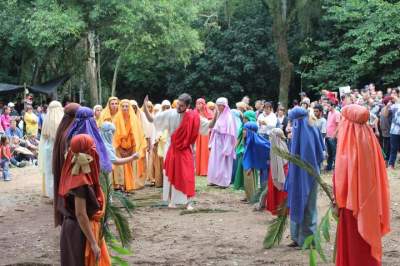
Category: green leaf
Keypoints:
(277, 227)
(313, 257)
(325, 225)
(120, 250)
(115, 260)
(308, 242)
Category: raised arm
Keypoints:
(146, 111)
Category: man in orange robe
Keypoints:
(361, 191)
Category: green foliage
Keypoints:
(114, 213)
(358, 43)
(277, 227)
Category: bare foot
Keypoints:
(189, 207)
(171, 206)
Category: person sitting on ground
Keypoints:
(13, 130)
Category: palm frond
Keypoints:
(126, 203)
(122, 225)
(277, 227)
(204, 210)
(295, 159)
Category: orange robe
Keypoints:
(361, 190)
(202, 154)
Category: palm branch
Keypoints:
(115, 213)
(277, 227)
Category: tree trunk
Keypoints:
(99, 73)
(114, 81)
(280, 27)
(91, 68)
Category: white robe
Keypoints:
(45, 164)
(170, 120)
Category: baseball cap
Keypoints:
(11, 104)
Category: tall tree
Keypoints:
(284, 14)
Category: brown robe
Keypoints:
(72, 239)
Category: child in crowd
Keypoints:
(5, 154)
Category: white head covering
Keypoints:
(133, 102)
(222, 101)
(166, 103)
(55, 113)
(97, 106)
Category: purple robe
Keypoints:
(223, 150)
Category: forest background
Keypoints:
(267, 49)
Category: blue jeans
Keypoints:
(5, 164)
(300, 231)
(394, 148)
(331, 149)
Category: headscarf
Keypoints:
(82, 145)
(98, 120)
(277, 139)
(165, 103)
(106, 113)
(107, 131)
(241, 105)
(256, 149)
(174, 103)
(205, 112)
(60, 147)
(211, 105)
(157, 108)
(85, 124)
(250, 115)
(360, 180)
(54, 115)
(237, 115)
(308, 144)
(136, 128)
(225, 123)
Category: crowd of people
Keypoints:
(168, 144)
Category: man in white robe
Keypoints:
(170, 120)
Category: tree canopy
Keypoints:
(205, 47)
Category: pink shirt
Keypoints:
(332, 123)
(5, 121)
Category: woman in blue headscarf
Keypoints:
(255, 157)
(301, 187)
(85, 123)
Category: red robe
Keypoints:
(352, 250)
(274, 196)
(179, 161)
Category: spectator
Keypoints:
(282, 119)
(320, 121)
(394, 110)
(13, 130)
(31, 121)
(5, 118)
(13, 113)
(42, 111)
(331, 131)
(384, 123)
(266, 120)
(246, 100)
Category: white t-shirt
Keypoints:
(270, 120)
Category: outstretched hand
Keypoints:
(145, 101)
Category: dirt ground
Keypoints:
(162, 236)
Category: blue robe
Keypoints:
(302, 189)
